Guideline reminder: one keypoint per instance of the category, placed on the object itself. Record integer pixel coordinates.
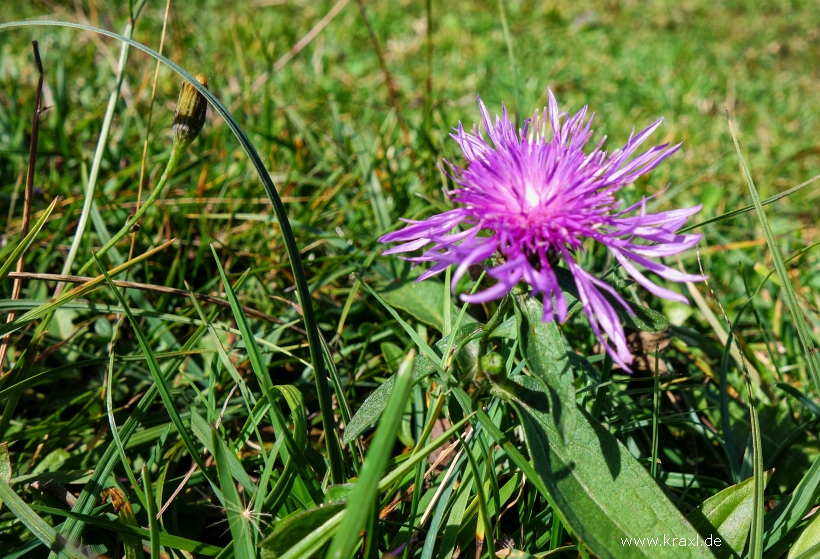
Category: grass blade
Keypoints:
(74, 526)
(811, 354)
(302, 290)
(84, 289)
(360, 505)
(36, 525)
(153, 526)
(159, 380)
(334, 448)
(23, 246)
(165, 539)
(487, 527)
(239, 526)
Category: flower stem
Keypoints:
(176, 154)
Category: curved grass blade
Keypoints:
(302, 290)
(165, 539)
(334, 449)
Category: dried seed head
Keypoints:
(191, 110)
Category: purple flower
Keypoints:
(527, 200)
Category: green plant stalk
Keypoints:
(88, 199)
(655, 409)
(176, 155)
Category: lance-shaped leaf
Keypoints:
(605, 497)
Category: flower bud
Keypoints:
(492, 364)
(190, 114)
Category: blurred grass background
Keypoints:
(333, 142)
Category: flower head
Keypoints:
(528, 199)
(191, 111)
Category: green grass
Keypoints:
(230, 397)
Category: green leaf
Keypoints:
(546, 352)
(291, 530)
(424, 300)
(727, 515)
(641, 318)
(372, 408)
(807, 545)
(362, 499)
(603, 493)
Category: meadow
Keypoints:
(239, 371)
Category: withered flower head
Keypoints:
(191, 110)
